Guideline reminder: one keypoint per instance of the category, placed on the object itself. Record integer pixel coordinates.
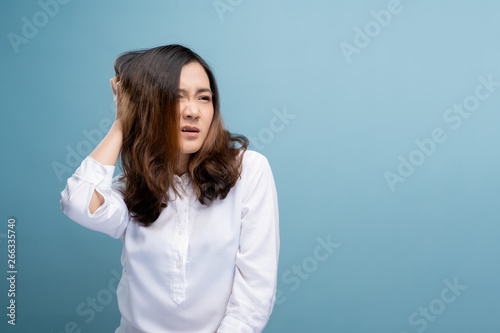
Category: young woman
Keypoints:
(198, 217)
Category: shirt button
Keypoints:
(179, 264)
(181, 231)
(98, 176)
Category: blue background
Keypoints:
(350, 119)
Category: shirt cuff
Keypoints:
(96, 173)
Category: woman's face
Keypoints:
(195, 106)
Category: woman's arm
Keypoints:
(91, 196)
(255, 281)
(109, 148)
(106, 153)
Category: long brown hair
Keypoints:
(148, 100)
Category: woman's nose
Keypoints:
(191, 109)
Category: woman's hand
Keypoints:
(114, 86)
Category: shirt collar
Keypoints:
(184, 178)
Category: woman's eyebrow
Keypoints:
(200, 90)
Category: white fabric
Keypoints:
(196, 269)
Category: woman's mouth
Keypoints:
(191, 133)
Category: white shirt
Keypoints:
(196, 269)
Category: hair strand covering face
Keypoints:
(148, 100)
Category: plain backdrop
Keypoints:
(379, 119)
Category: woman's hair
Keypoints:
(148, 102)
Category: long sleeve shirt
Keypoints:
(196, 269)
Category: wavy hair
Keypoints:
(149, 102)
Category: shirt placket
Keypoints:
(179, 250)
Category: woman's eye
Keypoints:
(206, 98)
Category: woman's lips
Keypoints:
(190, 134)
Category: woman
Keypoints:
(197, 216)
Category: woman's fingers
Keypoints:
(113, 82)
(114, 86)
